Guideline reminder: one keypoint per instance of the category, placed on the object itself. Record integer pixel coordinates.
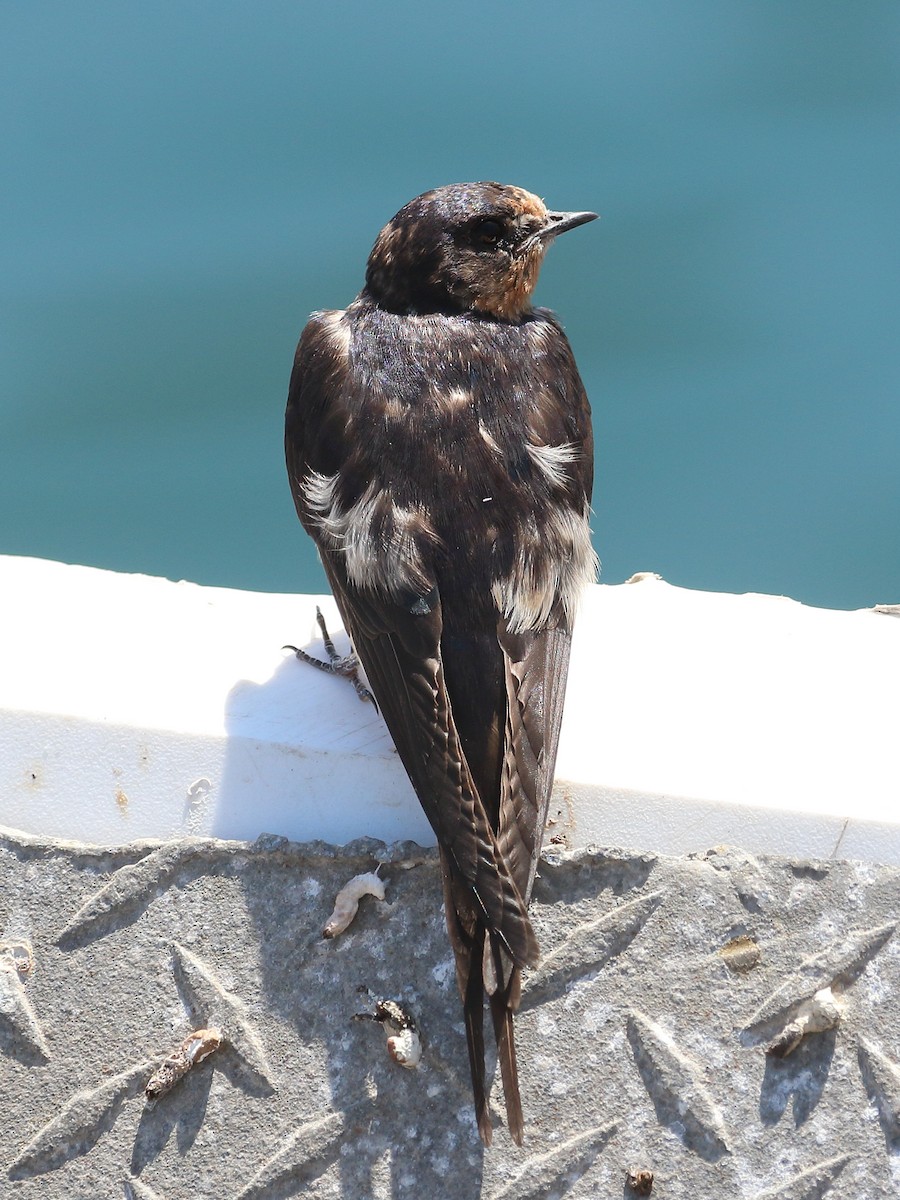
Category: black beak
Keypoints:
(560, 222)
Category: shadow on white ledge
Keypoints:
(134, 707)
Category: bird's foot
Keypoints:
(346, 665)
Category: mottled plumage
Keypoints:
(439, 451)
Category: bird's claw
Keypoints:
(346, 665)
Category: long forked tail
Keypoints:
(504, 1002)
(504, 998)
(484, 968)
(472, 988)
(483, 959)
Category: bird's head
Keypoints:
(465, 247)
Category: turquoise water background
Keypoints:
(183, 182)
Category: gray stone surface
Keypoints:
(642, 1037)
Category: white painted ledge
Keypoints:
(133, 707)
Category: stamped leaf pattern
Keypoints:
(129, 886)
(212, 1003)
(591, 945)
(81, 1123)
(836, 967)
(19, 1027)
(136, 1189)
(714, 1123)
(675, 1086)
(881, 1077)
(541, 1174)
(304, 1154)
(812, 1184)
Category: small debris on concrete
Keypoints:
(741, 954)
(21, 955)
(403, 1042)
(198, 790)
(347, 901)
(640, 1180)
(822, 1011)
(193, 1050)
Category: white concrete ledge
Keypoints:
(133, 707)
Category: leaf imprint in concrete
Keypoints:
(837, 966)
(589, 947)
(127, 888)
(812, 1184)
(136, 1189)
(674, 1084)
(566, 1163)
(20, 1030)
(305, 1153)
(210, 1003)
(881, 1077)
(81, 1123)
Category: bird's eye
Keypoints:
(488, 232)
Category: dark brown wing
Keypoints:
(536, 661)
(398, 642)
(401, 655)
(537, 667)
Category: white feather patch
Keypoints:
(389, 563)
(488, 439)
(338, 330)
(555, 563)
(541, 335)
(552, 461)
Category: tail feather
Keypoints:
(502, 1015)
(503, 1001)
(483, 967)
(473, 1010)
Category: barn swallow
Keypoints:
(439, 451)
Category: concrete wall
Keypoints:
(134, 707)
